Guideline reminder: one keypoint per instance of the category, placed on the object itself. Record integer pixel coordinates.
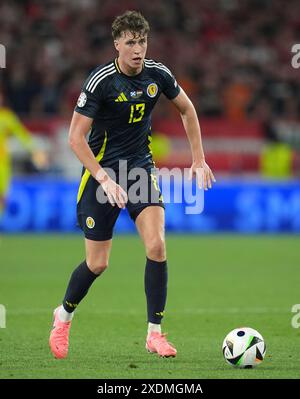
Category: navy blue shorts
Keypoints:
(97, 220)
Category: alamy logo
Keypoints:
(296, 57)
(2, 56)
(2, 316)
(143, 187)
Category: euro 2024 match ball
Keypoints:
(244, 347)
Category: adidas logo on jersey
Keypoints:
(121, 98)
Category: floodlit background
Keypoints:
(234, 264)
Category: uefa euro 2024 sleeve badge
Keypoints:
(81, 100)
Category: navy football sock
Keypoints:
(81, 280)
(156, 280)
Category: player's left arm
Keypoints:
(191, 125)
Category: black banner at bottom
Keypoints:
(138, 388)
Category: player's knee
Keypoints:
(98, 267)
(156, 249)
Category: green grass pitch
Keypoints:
(216, 283)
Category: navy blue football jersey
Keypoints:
(121, 108)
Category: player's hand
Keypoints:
(40, 159)
(114, 192)
(202, 172)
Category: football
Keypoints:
(244, 347)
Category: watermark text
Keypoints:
(296, 319)
(2, 316)
(296, 58)
(2, 56)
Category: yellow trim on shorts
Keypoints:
(87, 174)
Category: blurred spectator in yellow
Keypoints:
(11, 125)
(276, 159)
(160, 146)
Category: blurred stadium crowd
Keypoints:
(232, 57)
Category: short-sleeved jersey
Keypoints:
(121, 108)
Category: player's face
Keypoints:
(132, 50)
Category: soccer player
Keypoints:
(116, 103)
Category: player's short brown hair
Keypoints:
(132, 21)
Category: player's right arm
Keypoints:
(79, 128)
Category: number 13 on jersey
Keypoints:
(136, 112)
